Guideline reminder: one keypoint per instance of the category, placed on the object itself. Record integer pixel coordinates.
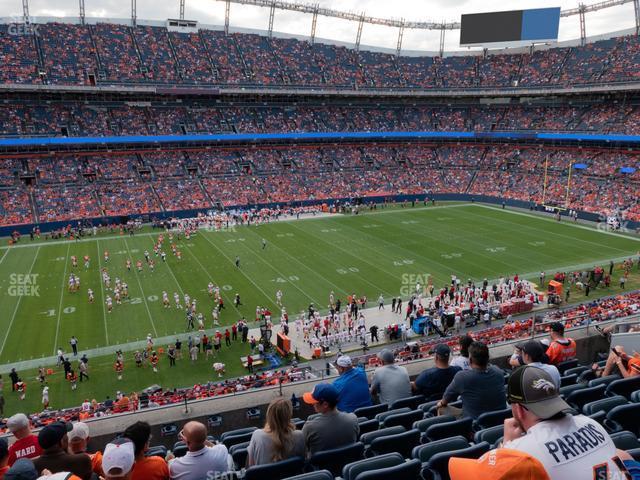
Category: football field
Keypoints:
(371, 254)
(382, 252)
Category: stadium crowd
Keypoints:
(74, 54)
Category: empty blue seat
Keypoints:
(450, 429)
(580, 398)
(381, 416)
(624, 417)
(283, 469)
(231, 440)
(604, 404)
(623, 386)
(317, 475)
(428, 450)
(410, 402)
(566, 365)
(439, 463)
(238, 431)
(404, 419)
(603, 380)
(625, 440)
(402, 443)
(372, 411)
(406, 471)
(490, 435)
(368, 426)
(491, 419)
(367, 438)
(425, 423)
(353, 469)
(333, 460)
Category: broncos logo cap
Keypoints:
(534, 388)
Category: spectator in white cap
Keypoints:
(78, 443)
(390, 382)
(118, 459)
(26, 444)
(352, 386)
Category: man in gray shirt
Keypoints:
(481, 387)
(390, 382)
(332, 428)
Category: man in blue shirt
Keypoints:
(352, 386)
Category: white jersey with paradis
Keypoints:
(573, 447)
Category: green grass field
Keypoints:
(370, 254)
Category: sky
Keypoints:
(211, 12)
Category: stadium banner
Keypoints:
(514, 27)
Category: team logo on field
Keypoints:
(23, 285)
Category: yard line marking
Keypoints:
(314, 300)
(244, 274)
(5, 254)
(15, 310)
(547, 219)
(144, 297)
(171, 272)
(64, 277)
(305, 266)
(211, 278)
(104, 309)
(361, 277)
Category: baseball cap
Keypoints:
(498, 464)
(442, 350)
(17, 421)
(557, 327)
(322, 392)
(80, 431)
(22, 469)
(534, 349)
(386, 356)
(118, 458)
(53, 433)
(534, 388)
(344, 361)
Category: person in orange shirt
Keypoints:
(78, 440)
(561, 348)
(145, 468)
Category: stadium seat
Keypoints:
(604, 404)
(333, 460)
(624, 417)
(433, 411)
(599, 416)
(566, 390)
(623, 386)
(579, 398)
(372, 411)
(489, 435)
(368, 426)
(169, 430)
(239, 431)
(461, 427)
(576, 370)
(568, 380)
(625, 440)
(231, 440)
(239, 454)
(438, 465)
(180, 450)
(317, 475)
(491, 419)
(404, 419)
(566, 365)
(381, 416)
(426, 407)
(402, 443)
(603, 380)
(367, 438)
(353, 469)
(411, 402)
(635, 453)
(282, 469)
(635, 396)
(409, 470)
(157, 451)
(426, 451)
(422, 425)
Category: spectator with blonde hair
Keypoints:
(279, 439)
